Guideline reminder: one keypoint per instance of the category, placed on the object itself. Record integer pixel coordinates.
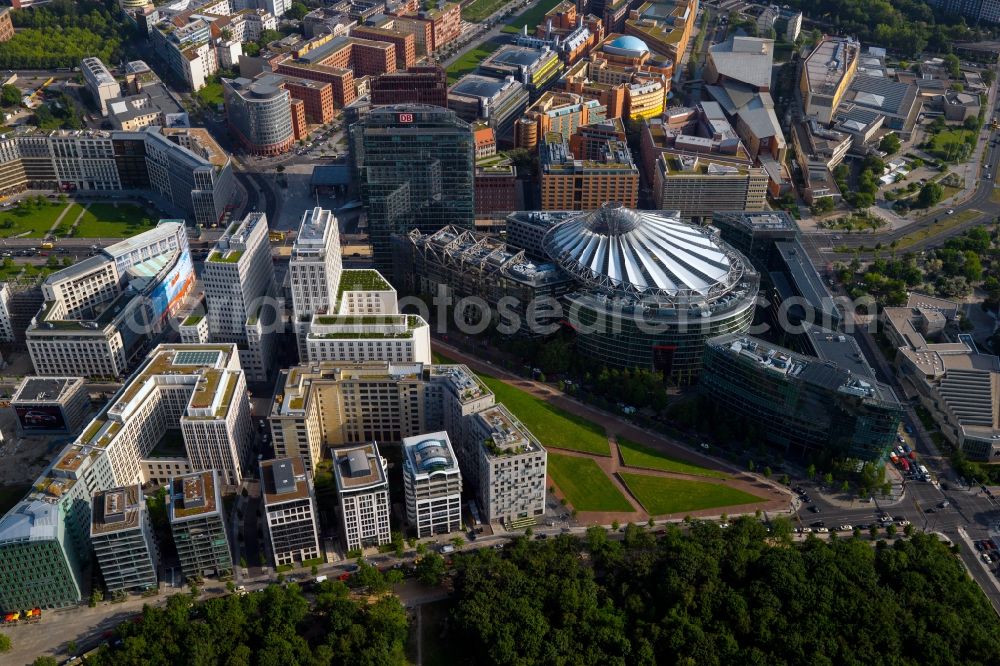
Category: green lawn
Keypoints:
(660, 495)
(470, 60)
(638, 455)
(952, 145)
(112, 221)
(72, 213)
(211, 95)
(439, 358)
(531, 18)
(552, 426)
(34, 219)
(585, 484)
(477, 10)
(943, 224)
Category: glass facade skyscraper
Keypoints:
(416, 165)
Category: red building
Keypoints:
(406, 50)
(423, 84)
(317, 97)
(336, 60)
(299, 127)
(496, 189)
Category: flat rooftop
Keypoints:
(430, 453)
(507, 436)
(193, 495)
(839, 348)
(116, 510)
(45, 390)
(313, 228)
(829, 62)
(283, 480)
(766, 220)
(819, 372)
(208, 148)
(358, 468)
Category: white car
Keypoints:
(845, 528)
(903, 523)
(821, 530)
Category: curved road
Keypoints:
(820, 244)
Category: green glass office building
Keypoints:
(806, 406)
(416, 165)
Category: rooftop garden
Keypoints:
(229, 257)
(203, 398)
(193, 319)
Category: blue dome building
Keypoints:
(627, 45)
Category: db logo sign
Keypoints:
(406, 117)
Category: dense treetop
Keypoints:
(907, 26)
(275, 627)
(733, 596)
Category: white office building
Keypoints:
(99, 82)
(345, 404)
(363, 488)
(314, 270)
(6, 327)
(237, 277)
(433, 484)
(48, 533)
(347, 314)
(508, 465)
(101, 314)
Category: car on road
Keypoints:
(822, 530)
(814, 508)
(862, 526)
(944, 505)
(845, 528)
(951, 210)
(986, 558)
(818, 523)
(902, 523)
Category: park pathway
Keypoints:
(55, 225)
(77, 220)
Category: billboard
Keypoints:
(41, 418)
(174, 287)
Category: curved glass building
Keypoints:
(652, 289)
(260, 114)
